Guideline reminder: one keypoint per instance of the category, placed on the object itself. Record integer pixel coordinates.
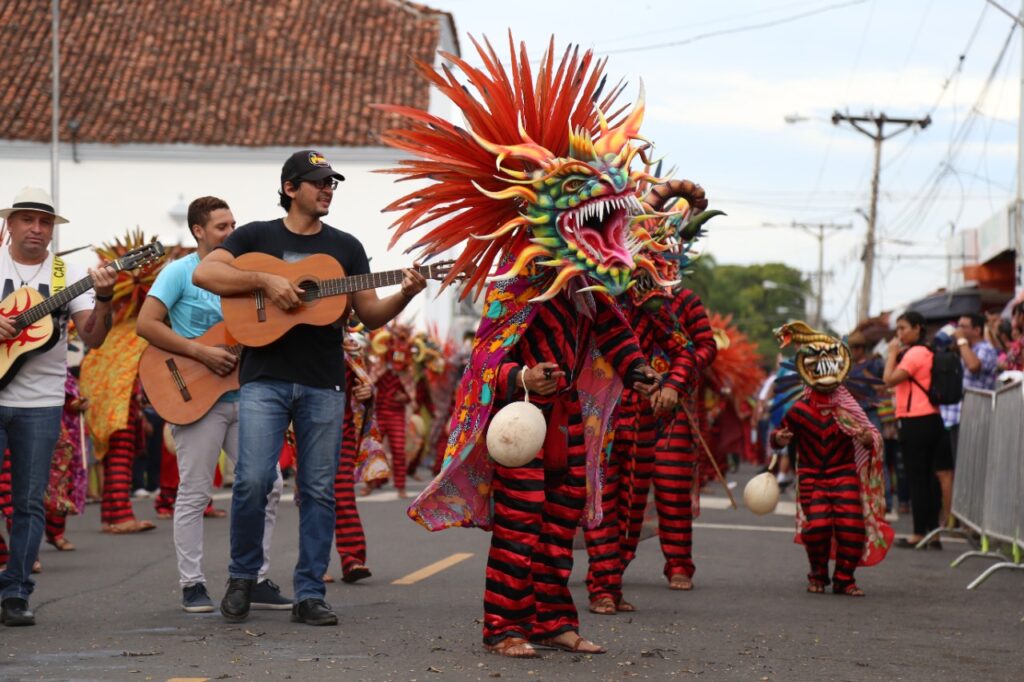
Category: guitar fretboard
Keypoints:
(129, 261)
(49, 305)
(372, 280)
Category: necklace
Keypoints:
(35, 274)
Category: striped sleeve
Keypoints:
(687, 367)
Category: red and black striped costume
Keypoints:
(612, 545)
(424, 400)
(677, 454)
(116, 505)
(349, 538)
(393, 421)
(537, 507)
(829, 492)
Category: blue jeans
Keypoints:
(265, 409)
(31, 434)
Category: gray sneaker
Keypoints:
(267, 595)
(194, 599)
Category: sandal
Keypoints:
(214, 513)
(816, 586)
(37, 566)
(680, 582)
(355, 574)
(62, 544)
(603, 606)
(328, 578)
(624, 606)
(126, 527)
(574, 648)
(513, 647)
(850, 590)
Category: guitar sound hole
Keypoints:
(310, 290)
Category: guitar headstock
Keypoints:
(440, 270)
(136, 258)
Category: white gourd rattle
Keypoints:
(516, 433)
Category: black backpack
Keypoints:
(947, 378)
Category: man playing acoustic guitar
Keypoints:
(32, 401)
(192, 311)
(300, 378)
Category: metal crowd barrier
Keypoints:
(1004, 479)
(988, 486)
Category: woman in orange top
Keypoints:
(927, 455)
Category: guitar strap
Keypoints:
(58, 276)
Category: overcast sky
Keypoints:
(721, 77)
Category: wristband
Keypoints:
(104, 299)
(961, 342)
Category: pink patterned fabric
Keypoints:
(461, 494)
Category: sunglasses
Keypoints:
(331, 183)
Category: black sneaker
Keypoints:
(15, 611)
(314, 612)
(235, 604)
(195, 599)
(267, 595)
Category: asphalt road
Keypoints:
(111, 611)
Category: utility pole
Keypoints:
(878, 136)
(55, 118)
(817, 230)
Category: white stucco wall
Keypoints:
(112, 189)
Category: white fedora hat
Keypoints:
(33, 199)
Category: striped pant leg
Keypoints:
(392, 425)
(604, 568)
(55, 525)
(116, 506)
(349, 538)
(675, 471)
(635, 477)
(816, 533)
(564, 498)
(509, 604)
(848, 525)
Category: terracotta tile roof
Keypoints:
(215, 72)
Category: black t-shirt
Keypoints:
(307, 354)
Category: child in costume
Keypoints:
(392, 376)
(541, 185)
(839, 455)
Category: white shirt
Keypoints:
(40, 380)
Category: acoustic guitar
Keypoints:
(255, 321)
(32, 315)
(182, 389)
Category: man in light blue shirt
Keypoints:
(191, 312)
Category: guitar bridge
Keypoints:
(178, 380)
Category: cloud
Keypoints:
(740, 99)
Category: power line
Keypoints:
(738, 29)
(918, 208)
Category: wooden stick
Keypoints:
(696, 429)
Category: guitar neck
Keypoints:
(372, 280)
(49, 305)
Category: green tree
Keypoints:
(740, 291)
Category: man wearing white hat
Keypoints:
(32, 393)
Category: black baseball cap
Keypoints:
(308, 164)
